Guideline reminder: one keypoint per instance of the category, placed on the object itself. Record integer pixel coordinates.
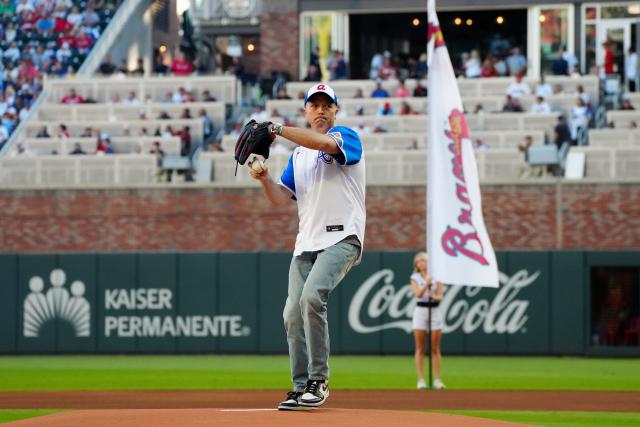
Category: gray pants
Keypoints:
(312, 277)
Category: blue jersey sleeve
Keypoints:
(349, 144)
(287, 179)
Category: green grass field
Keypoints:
(45, 373)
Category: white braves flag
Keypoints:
(460, 252)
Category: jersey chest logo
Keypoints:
(326, 158)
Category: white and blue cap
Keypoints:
(321, 88)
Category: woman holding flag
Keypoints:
(426, 316)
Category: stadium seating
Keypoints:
(610, 163)
(622, 119)
(613, 138)
(120, 145)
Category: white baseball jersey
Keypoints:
(330, 192)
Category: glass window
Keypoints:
(316, 33)
(590, 47)
(615, 314)
(629, 11)
(554, 33)
(590, 13)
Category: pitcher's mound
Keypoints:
(248, 417)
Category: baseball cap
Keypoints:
(321, 88)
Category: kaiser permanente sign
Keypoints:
(232, 303)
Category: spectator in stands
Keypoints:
(376, 63)
(282, 94)
(631, 69)
(185, 141)
(181, 96)
(159, 66)
(609, 59)
(43, 133)
(406, 110)
(164, 115)
(358, 93)
(206, 96)
(402, 91)
(626, 105)
(139, 70)
(499, 46)
(518, 88)
(387, 71)
(142, 114)
(337, 66)
(560, 66)
(361, 127)
(77, 149)
(313, 74)
(472, 66)
(500, 66)
(558, 89)
(186, 114)
(516, 62)
(12, 54)
(543, 88)
(143, 132)
(314, 56)
(4, 135)
(561, 132)
(420, 91)
(379, 92)
(23, 151)
(584, 96)
(386, 110)
(237, 129)
(359, 110)
(107, 68)
(479, 144)
(207, 127)
(131, 99)
(540, 106)
(104, 144)
(512, 105)
(158, 151)
(488, 69)
(259, 114)
(526, 169)
(90, 18)
(87, 133)
(180, 65)
(167, 132)
(378, 127)
(478, 109)
(579, 118)
(72, 98)
(63, 132)
(74, 17)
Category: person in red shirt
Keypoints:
(83, 42)
(72, 98)
(180, 66)
(27, 70)
(609, 60)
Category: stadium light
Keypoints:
(469, 21)
(542, 18)
(457, 21)
(499, 19)
(415, 22)
(251, 47)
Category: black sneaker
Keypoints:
(315, 394)
(291, 403)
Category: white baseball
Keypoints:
(257, 165)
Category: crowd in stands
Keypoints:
(43, 37)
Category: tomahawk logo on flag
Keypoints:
(460, 252)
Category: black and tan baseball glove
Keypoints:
(255, 138)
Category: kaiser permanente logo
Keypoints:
(56, 303)
(121, 308)
(504, 314)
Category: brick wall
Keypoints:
(279, 39)
(553, 216)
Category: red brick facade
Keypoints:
(543, 216)
(279, 42)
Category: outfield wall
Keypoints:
(232, 303)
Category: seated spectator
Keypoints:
(12, 54)
(87, 133)
(313, 74)
(526, 169)
(560, 66)
(181, 96)
(72, 98)
(387, 71)
(584, 96)
(386, 110)
(158, 151)
(378, 127)
(518, 88)
(164, 115)
(143, 132)
(478, 109)
(180, 65)
(139, 70)
(74, 17)
(104, 144)
(137, 150)
(579, 118)
(22, 150)
(379, 92)
(77, 149)
(107, 68)
(63, 132)
(479, 144)
(516, 62)
(626, 105)
(633, 124)
(123, 69)
(358, 94)
(337, 66)
(359, 110)
(540, 106)
(43, 133)
(512, 105)
(207, 126)
(561, 132)
(206, 96)
(501, 67)
(488, 69)
(185, 141)
(131, 99)
(186, 114)
(361, 127)
(259, 114)
(402, 91)
(420, 91)
(558, 89)
(405, 109)
(142, 114)
(282, 94)
(471, 64)
(543, 88)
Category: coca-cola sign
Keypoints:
(504, 314)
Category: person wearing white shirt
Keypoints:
(472, 65)
(579, 118)
(570, 58)
(631, 70)
(13, 53)
(74, 17)
(518, 88)
(540, 106)
(543, 88)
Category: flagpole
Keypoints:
(429, 347)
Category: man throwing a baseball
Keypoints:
(326, 177)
